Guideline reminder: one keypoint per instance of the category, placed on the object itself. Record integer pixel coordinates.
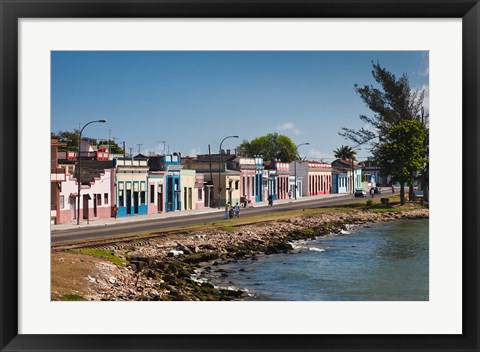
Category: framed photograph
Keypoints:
(256, 67)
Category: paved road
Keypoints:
(102, 231)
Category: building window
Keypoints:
(236, 184)
(120, 198)
(152, 193)
(142, 197)
(99, 199)
(62, 202)
(200, 194)
(105, 198)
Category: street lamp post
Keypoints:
(295, 167)
(219, 168)
(79, 174)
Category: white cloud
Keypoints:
(425, 72)
(426, 99)
(318, 155)
(195, 151)
(288, 126)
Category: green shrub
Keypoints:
(385, 201)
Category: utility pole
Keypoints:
(108, 144)
(139, 145)
(210, 199)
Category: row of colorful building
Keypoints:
(155, 184)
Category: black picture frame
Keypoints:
(11, 11)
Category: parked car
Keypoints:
(377, 190)
(360, 193)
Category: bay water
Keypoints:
(382, 262)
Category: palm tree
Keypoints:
(348, 154)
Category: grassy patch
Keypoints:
(383, 210)
(104, 254)
(227, 228)
(71, 297)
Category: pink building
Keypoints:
(278, 179)
(200, 191)
(156, 185)
(57, 176)
(317, 177)
(97, 188)
(247, 168)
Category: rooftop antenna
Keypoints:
(139, 145)
(163, 145)
(131, 155)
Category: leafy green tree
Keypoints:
(403, 156)
(242, 149)
(345, 153)
(70, 138)
(271, 147)
(391, 103)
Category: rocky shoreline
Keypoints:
(164, 268)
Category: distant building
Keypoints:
(316, 176)
(220, 174)
(342, 171)
(87, 152)
(278, 179)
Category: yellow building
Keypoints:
(187, 180)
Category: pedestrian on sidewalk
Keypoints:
(115, 210)
(393, 189)
(227, 209)
(237, 211)
(270, 200)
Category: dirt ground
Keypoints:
(68, 273)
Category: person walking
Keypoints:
(393, 189)
(227, 208)
(237, 211)
(372, 192)
(115, 210)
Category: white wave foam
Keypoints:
(315, 249)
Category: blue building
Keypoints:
(258, 179)
(171, 165)
(131, 175)
(342, 171)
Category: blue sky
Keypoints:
(192, 99)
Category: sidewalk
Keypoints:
(129, 219)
